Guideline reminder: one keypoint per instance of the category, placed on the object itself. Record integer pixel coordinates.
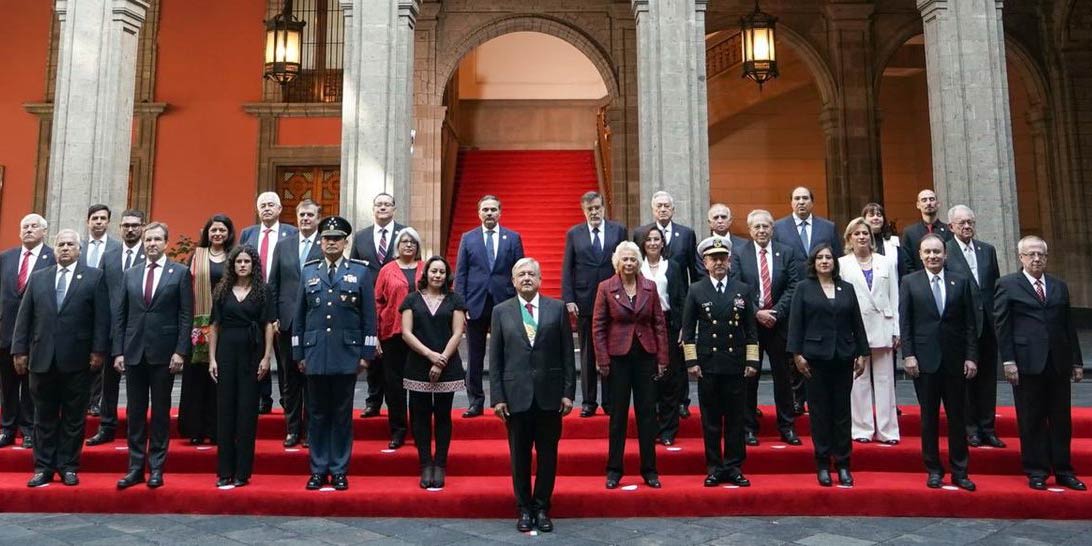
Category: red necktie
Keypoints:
(149, 286)
(929, 227)
(767, 285)
(263, 251)
(1039, 291)
(24, 271)
(381, 250)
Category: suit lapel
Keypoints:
(74, 284)
(1023, 282)
(501, 242)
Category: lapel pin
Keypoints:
(79, 277)
(504, 237)
(616, 296)
(839, 288)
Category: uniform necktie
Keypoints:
(149, 286)
(1039, 292)
(767, 283)
(62, 286)
(305, 251)
(972, 261)
(938, 297)
(23, 271)
(597, 242)
(381, 250)
(330, 270)
(490, 250)
(263, 251)
(96, 254)
(128, 260)
(720, 287)
(804, 237)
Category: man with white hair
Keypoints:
(679, 240)
(16, 265)
(264, 237)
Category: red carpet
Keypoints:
(890, 480)
(540, 197)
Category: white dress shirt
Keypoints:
(1033, 280)
(377, 235)
(34, 254)
(91, 250)
(943, 289)
(137, 249)
(67, 277)
(158, 272)
(668, 232)
(660, 278)
(769, 264)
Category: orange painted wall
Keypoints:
(309, 132)
(905, 146)
(210, 64)
(25, 49)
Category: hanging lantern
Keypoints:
(759, 53)
(283, 46)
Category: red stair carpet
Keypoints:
(540, 198)
(890, 480)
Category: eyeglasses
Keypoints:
(1034, 254)
(132, 226)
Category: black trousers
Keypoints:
(476, 332)
(144, 381)
(539, 430)
(771, 342)
(237, 403)
(376, 382)
(633, 374)
(265, 389)
(197, 405)
(16, 405)
(1046, 429)
(293, 386)
(331, 422)
(429, 413)
(722, 403)
(60, 402)
(982, 389)
(95, 397)
(672, 389)
(828, 407)
(108, 404)
(933, 389)
(590, 381)
(395, 352)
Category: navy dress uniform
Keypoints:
(720, 338)
(334, 329)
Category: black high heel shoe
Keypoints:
(823, 475)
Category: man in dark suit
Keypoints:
(62, 325)
(129, 254)
(720, 345)
(720, 224)
(151, 340)
(977, 261)
(16, 265)
(680, 241)
(482, 276)
(803, 231)
(284, 285)
(532, 382)
(929, 206)
(264, 236)
(940, 347)
(1041, 354)
(588, 249)
(770, 268)
(375, 245)
(93, 252)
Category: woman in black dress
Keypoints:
(433, 321)
(240, 347)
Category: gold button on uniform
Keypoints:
(327, 329)
(714, 336)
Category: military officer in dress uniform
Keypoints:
(333, 339)
(720, 345)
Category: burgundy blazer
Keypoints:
(616, 322)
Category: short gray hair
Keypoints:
(35, 216)
(527, 261)
(412, 234)
(616, 258)
(959, 209)
(1031, 240)
(267, 194)
(68, 231)
(660, 194)
(754, 215)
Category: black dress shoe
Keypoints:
(395, 444)
(684, 411)
(974, 440)
(612, 483)
(223, 482)
(751, 439)
(543, 521)
(100, 438)
(797, 409)
(845, 477)
(6, 439)
(70, 479)
(94, 411)
(155, 479)
(993, 440)
(738, 479)
(667, 442)
(525, 522)
(131, 479)
(39, 479)
(306, 443)
(265, 407)
(934, 481)
(653, 482)
(1071, 482)
(291, 440)
(240, 482)
(473, 411)
(587, 412)
(316, 481)
(28, 442)
(963, 483)
(426, 477)
(1039, 484)
(370, 411)
(439, 474)
(341, 482)
(823, 475)
(712, 480)
(758, 412)
(196, 441)
(791, 438)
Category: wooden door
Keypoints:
(319, 183)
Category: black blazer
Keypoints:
(581, 269)
(520, 373)
(786, 232)
(1032, 333)
(940, 343)
(822, 329)
(783, 277)
(112, 263)
(912, 236)
(683, 250)
(284, 279)
(10, 297)
(718, 330)
(67, 336)
(157, 331)
(983, 289)
(364, 248)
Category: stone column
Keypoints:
(93, 108)
(376, 115)
(969, 116)
(672, 105)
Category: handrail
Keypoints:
(723, 54)
(603, 159)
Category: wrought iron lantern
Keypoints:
(283, 46)
(759, 52)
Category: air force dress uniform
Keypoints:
(334, 329)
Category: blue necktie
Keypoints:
(305, 251)
(597, 242)
(61, 287)
(490, 250)
(804, 238)
(938, 298)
